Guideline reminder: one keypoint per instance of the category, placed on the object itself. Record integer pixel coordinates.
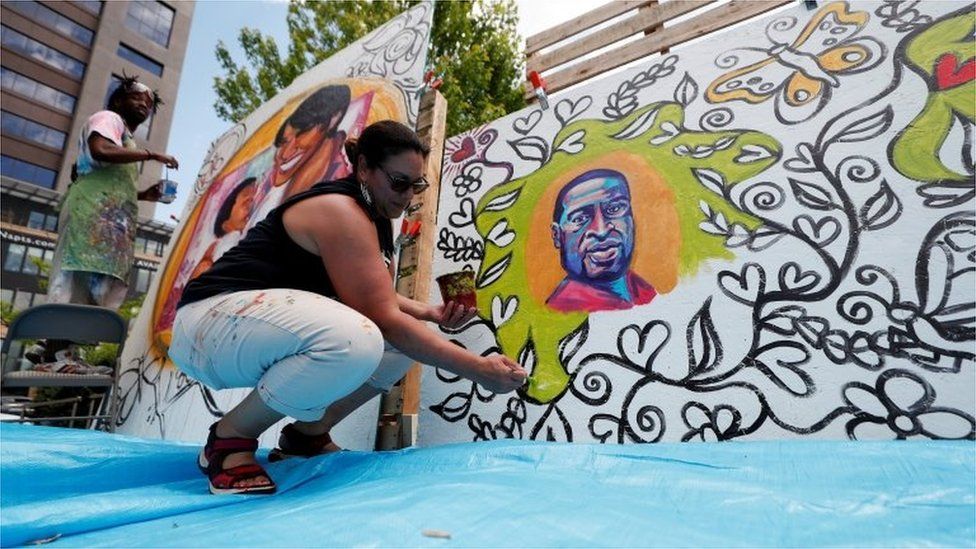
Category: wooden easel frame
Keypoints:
(399, 409)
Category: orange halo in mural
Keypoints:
(657, 232)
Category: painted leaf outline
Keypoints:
(881, 210)
(687, 90)
(453, 408)
(865, 128)
(503, 201)
(704, 344)
(639, 126)
(812, 195)
(711, 180)
(571, 344)
(532, 147)
(497, 269)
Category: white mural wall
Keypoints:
(766, 234)
(247, 172)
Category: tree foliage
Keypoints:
(474, 47)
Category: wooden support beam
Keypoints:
(710, 21)
(414, 269)
(647, 18)
(589, 19)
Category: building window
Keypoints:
(149, 246)
(91, 6)
(143, 280)
(43, 221)
(25, 259)
(40, 52)
(154, 20)
(142, 132)
(15, 258)
(7, 295)
(33, 89)
(53, 20)
(25, 171)
(32, 131)
(140, 60)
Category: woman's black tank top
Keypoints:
(268, 258)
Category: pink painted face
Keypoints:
(295, 150)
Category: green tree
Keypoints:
(474, 47)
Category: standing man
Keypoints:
(97, 224)
(593, 229)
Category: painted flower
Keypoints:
(900, 405)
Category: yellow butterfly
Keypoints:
(802, 72)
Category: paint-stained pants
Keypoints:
(302, 351)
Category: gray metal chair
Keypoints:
(84, 324)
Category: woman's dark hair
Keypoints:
(316, 110)
(228, 206)
(382, 140)
(130, 84)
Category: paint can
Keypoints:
(458, 287)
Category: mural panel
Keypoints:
(287, 145)
(767, 234)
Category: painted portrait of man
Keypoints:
(593, 230)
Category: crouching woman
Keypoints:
(304, 311)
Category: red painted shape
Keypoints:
(466, 150)
(948, 73)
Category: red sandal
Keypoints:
(293, 443)
(224, 481)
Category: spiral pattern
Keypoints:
(763, 196)
(716, 118)
(858, 169)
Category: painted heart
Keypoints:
(821, 232)
(500, 235)
(574, 143)
(744, 286)
(568, 109)
(464, 216)
(525, 124)
(502, 311)
(794, 279)
(948, 73)
(466, 151)
(640, 345)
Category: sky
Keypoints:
(195, 122)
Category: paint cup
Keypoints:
(458, 287)
(167, 190)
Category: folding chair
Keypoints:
(79, 324)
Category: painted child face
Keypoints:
(241, 210)
(595, 233)
(295, 150)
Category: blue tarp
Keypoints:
(96, 489)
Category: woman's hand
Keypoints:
(451, 315)
(499, 374)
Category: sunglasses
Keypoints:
(401, 183)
